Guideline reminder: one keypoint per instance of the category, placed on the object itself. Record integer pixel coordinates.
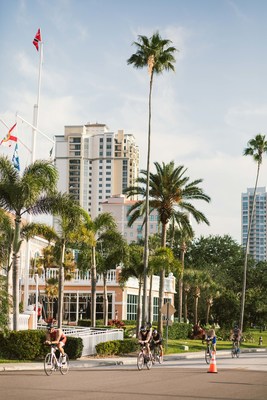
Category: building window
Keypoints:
(132, 307)
(155, 308)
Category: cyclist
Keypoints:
(57, 337)
(156, 340)
(144, 337)
(211, 336)
(236, 335)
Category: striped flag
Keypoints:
(6, 140)
(15, 158)
(37, 39)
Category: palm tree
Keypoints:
(134, 268)
(256, 148)
(170, 192)
(111, 251)
(88, 237)
(156, 54)
(180, 237)
(20, 195)
(70, 219)
(6, 239)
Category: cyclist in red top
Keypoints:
(57, 337)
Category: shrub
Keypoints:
(178, 331)
(29, 345)
(115, 322)
(116, 347)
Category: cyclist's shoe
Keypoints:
(64, 359)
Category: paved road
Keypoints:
(237, 379)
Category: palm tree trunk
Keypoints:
(196, 297)
(185, 305)
(146, 249)
(162, 281)
(180, 284)
(247, 252)
(15, 274)
(150, 305)
(209, 303)
(61, 286)
(93, 288)
(138, 311)
(105, 300)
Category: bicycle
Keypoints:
(143, 359)
(156, 357)
(208, 351)
(52, 363)
(235, 349)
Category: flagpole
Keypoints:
(34, 128)
(36, 106)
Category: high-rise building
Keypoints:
(95, 163)
(258, 233)
(118, 206)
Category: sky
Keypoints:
(203, 114)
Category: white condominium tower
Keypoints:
(258, 233)
(95, 163)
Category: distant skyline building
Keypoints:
(118, 206)
(95, 163)
(258, 234)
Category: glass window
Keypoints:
(132, 307)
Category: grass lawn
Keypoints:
(175, 346)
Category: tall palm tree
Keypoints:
(170, 193)
(156, 54)
(256, 148)
(20, 195)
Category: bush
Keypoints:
(29, 345)
(178, 331)
(116, 347)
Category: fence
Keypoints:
(91, 336)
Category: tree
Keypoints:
(70, 219)
(111, 251)
(180, 238)
(88, 237)
(156, 54)
(6, 239)
(20, 195)
(256, 148)
(134, 268)
(170, 193)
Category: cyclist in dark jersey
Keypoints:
(156, 340)
(57, 337)
(144, 337)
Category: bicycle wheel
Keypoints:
(49, 364)
(149, 362)
(207, 355)
(140, 361)
(64, 369)
(154, 356)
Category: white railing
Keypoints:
(78, 278)
(91, 336)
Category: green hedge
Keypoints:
(178, 331)
(29, 345)
(116, 347)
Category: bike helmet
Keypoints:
(154, 332)
(50, 326)
(142, 329)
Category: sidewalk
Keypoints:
(94, 362)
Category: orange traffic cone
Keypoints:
(213, 367)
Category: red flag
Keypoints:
(9, 137)
(37, 39)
